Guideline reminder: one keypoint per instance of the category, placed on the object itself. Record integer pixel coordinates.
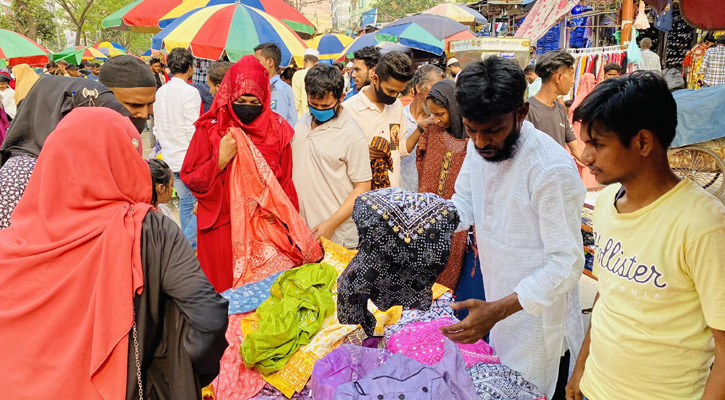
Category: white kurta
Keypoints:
(527, 214)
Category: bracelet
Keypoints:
(420, 128)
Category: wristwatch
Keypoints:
(420, 128)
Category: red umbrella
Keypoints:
(140, 16)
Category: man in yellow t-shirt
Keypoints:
(658, 325)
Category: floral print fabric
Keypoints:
(14, 177)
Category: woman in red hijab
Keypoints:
(94, 284)
(240, 124)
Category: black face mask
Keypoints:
(382, 97)
(247, 113)
(139, 123)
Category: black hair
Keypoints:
(568, 103)
(217, 70)
(154, 61)
(180, 60)
(160, 175)
(370, 55)
(551, 62)
(490, 88)
(270, 50)
(72, 67)
(323, 79)
(422, 76)
(396, 65)
(340, 66)
(720, 39)
(288, 73)
(309, 58)
(612, 67)
(529, 69)
(94, 65)
(50, 65)
(5, 78)
(628, 104)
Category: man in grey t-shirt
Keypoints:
(556, 70)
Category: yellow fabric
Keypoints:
(25, 78)
(208, 392)
(660, 272)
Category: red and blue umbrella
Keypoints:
(232, 28)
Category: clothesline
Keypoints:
(595, 51)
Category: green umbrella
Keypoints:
(18, 49)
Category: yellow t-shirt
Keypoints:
(661, 273)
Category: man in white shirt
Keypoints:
(331, 164)
(524, 195)
(310, 59)
(178, 106)
(650, 59)
(379, 112)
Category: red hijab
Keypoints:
(270, 133)
(70, 264)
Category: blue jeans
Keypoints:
(186, 210)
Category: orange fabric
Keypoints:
(71, 262)
(268, 234)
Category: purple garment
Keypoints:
(404, 378)
(4, 124)
(345, 364)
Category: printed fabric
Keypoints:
(248, 297)
(544, 15)
(440, 308)
(381, 166)
(423, 341)
(14, 177)
(402, 377)
(345, 364)
(405, 241)
(300, 301)
(498, 382)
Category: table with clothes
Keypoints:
(365, 324)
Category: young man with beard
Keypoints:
(379, 112)
(363, 66)
(524, 195)
(330, 159)
(658, 326)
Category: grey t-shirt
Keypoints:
(551, 120)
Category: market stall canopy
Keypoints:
(457, 12)
(140, 16)
(704, 14)
(76, 54)
(422, 31)
(18, 49)
(234, 29)
(330, 45)
(110, 49)
(277, 8)
(368, 39)
(542, 17)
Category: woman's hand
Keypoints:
(227, 150)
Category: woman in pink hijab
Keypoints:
(586, 85)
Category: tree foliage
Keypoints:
(31, 19)
(77, 13)
(390, 10)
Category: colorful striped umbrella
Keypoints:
(276, 8)
(368, 39)
(18, 49)
(140, 16)
(232, 28)
(110, 49)
(424, 32)
(457, 12)
(330, 45)
(76, 54)
(147, 55)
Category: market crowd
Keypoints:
(312, 203)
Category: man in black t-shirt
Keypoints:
(556, 70)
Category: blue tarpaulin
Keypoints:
(700, 115)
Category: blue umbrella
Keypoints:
(425, 32)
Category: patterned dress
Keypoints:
(14, 177)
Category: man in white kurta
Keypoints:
(526, 210)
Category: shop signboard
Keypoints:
(469, 50)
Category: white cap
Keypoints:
(349, 64)
(312, 52)
(451, 61)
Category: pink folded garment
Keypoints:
(423, 341)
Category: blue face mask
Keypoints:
(323, 115)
